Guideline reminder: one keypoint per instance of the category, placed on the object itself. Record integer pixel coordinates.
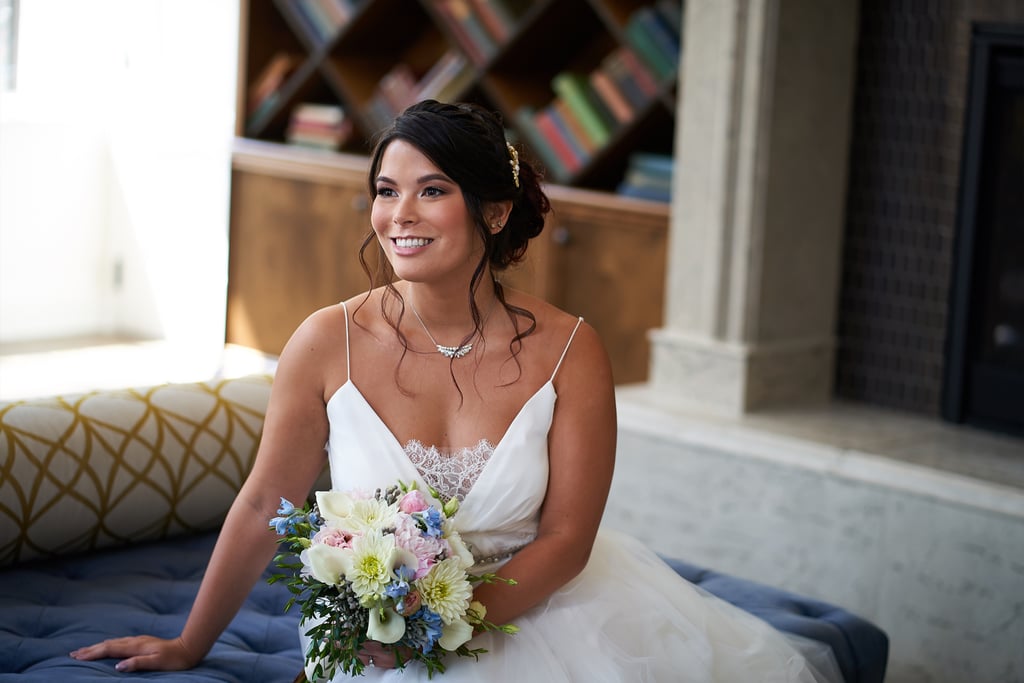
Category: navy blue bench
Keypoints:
(51, 607)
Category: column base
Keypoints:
(731, 379)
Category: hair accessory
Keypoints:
(513, 162)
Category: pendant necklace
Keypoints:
(450, 351)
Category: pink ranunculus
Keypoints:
(339, 538)
(425, 548)
(413, 502)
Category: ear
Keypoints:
(496, 214)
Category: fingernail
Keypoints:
(119, 666)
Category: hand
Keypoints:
(376, 655)
(141, 653)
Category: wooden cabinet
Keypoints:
(296, 227)
(297, 221)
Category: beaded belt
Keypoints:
(497, 557)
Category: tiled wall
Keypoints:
(901, 204)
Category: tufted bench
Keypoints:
(109, 506)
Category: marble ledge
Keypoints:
(872, 446)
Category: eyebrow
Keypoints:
(430, 177)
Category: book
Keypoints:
(572, 129)
(467, 29)
(627, 82)
(574, 88)
(648, 176)
(638, 71)
(672, 12)
(323, 126)
(498, 25)
(398, 87)
(605, 88)
(439, 76)
(270, 79)
(644, 36)
(554, 134)
(526, 121)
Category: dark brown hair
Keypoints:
(467, 143)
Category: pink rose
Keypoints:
(413, 502)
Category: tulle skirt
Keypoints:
(630, 617)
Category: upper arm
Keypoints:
(581, 444)
(291, 453)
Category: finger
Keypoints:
(139, 663)
(116, 647)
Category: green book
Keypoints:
(575, 90)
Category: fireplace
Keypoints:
(984, 368)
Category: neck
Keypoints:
(449, 313)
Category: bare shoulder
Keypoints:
(315, 353)
(586, 358)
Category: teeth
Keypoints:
(411, 242)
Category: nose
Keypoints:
(404, 212)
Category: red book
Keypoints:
(640, 71)
(563, 149)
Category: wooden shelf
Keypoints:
(346, 66)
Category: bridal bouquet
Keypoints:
(388, 567)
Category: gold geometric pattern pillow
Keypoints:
(109, 467)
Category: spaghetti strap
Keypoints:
(566, 349)
(348, 352)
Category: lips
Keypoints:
(411, 242)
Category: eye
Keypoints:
(384, 191)
(433, 191)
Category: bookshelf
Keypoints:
(584, 84)
(330, 73)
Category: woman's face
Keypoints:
(421, 220)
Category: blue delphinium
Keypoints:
(400, 587)
(431, 519)
(422, 630)
(291, 520)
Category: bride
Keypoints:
(443, 376)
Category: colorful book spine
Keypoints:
(497, 25)
(612, 97)
(572, 130)
(644, 38)
(640, 73)
(549, 128)
(575, 90)
(467, 29)
(527, 124)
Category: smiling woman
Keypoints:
(514, 419)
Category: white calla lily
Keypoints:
(459, 548)
(385, 625)
(327, 563)
(455, 634)
(334, 506)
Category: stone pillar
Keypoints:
(764, 113)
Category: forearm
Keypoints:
(539, 569)
(243, 550)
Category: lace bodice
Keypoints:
(451, 471)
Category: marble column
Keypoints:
(765, 98)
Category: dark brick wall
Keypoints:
(902, 198)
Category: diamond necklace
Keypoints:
(450, 351)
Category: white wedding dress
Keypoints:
(627, 617)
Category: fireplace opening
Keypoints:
(984, 382)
